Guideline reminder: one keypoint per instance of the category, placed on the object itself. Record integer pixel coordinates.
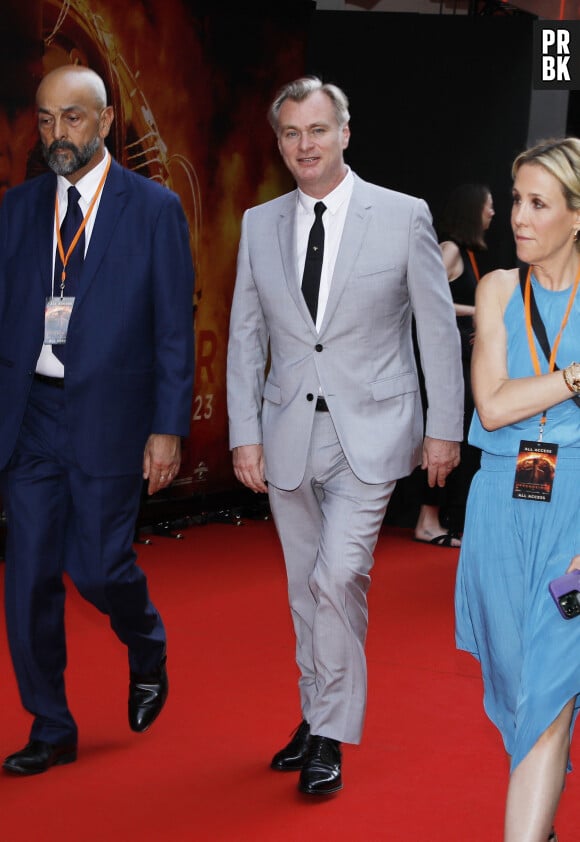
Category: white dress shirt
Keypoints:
(333, 220)
(87, 186)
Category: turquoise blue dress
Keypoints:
(512, 549)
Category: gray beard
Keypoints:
(80, 155)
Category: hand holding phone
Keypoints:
(565, 592)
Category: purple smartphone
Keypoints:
(565, 591)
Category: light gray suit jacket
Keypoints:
(388, 268)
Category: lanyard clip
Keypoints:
(541, 431)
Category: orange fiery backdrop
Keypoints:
(190, 86)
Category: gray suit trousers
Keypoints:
(328, 528)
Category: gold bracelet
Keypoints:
(571, 380)
(565, 376)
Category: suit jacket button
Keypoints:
(309, 396)
(318, 347)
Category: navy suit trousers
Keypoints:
(62, 521)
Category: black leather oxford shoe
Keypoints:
(320, 773)
(147, 695)
(291, 757)
(38, 756)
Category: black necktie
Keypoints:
(313, 263)
(70, 225)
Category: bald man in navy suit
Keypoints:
(89, 406)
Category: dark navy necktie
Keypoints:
(70, 225)
(313, 262)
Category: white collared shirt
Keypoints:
(87, 186)
(333, 220)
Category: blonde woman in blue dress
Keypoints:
(523, 531)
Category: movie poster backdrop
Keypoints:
(190, 83)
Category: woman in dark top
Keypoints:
(466, 218)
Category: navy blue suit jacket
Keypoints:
(129, 351)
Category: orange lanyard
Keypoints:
(473, 264)
(530, 330)
(65, 257)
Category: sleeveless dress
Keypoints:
(512, 549)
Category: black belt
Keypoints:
(321, 405)
(57, 382)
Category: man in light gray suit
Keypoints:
(329, 277)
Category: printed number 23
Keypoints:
(202, 407)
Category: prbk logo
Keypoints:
(557, 55)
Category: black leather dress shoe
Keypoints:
(291, 757)
(38, 756)
(147, 695)
(320, 774)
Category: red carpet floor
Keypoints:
(430, 768)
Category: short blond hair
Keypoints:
(561, 158)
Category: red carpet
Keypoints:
(430, 768)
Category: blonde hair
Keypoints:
(561, 158)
